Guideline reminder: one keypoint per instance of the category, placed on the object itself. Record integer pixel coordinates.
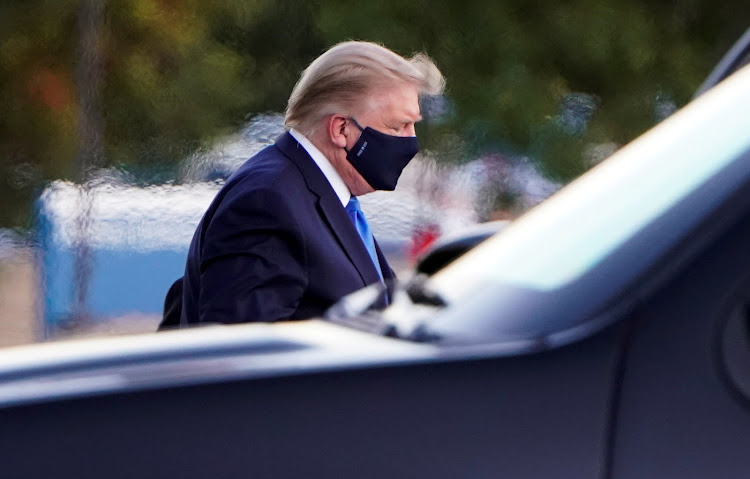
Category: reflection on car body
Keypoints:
(604, 334)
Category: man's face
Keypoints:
(391, 110)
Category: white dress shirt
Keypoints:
(333, 177)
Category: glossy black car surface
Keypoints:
(619, 350)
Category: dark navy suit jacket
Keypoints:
(274, 244)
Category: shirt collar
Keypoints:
(333, 177)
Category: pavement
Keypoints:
(18, 306)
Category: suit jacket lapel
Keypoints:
(388, 273)
(389, 276)
(332, 210)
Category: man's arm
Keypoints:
(254, 261)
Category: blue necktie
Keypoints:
(360, 222)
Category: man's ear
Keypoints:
(337, 133)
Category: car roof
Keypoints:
(90, 366)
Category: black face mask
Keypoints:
(381, 158)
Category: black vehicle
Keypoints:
(619, 350)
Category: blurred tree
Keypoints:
(135, 83)
(37, 99)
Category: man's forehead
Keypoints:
(401, 99)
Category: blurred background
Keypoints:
(120, 119)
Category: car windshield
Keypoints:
(596, 214)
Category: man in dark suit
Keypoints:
(285, 238)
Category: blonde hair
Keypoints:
(338, 79)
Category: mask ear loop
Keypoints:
(358, 126)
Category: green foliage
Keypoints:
(171, 76)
